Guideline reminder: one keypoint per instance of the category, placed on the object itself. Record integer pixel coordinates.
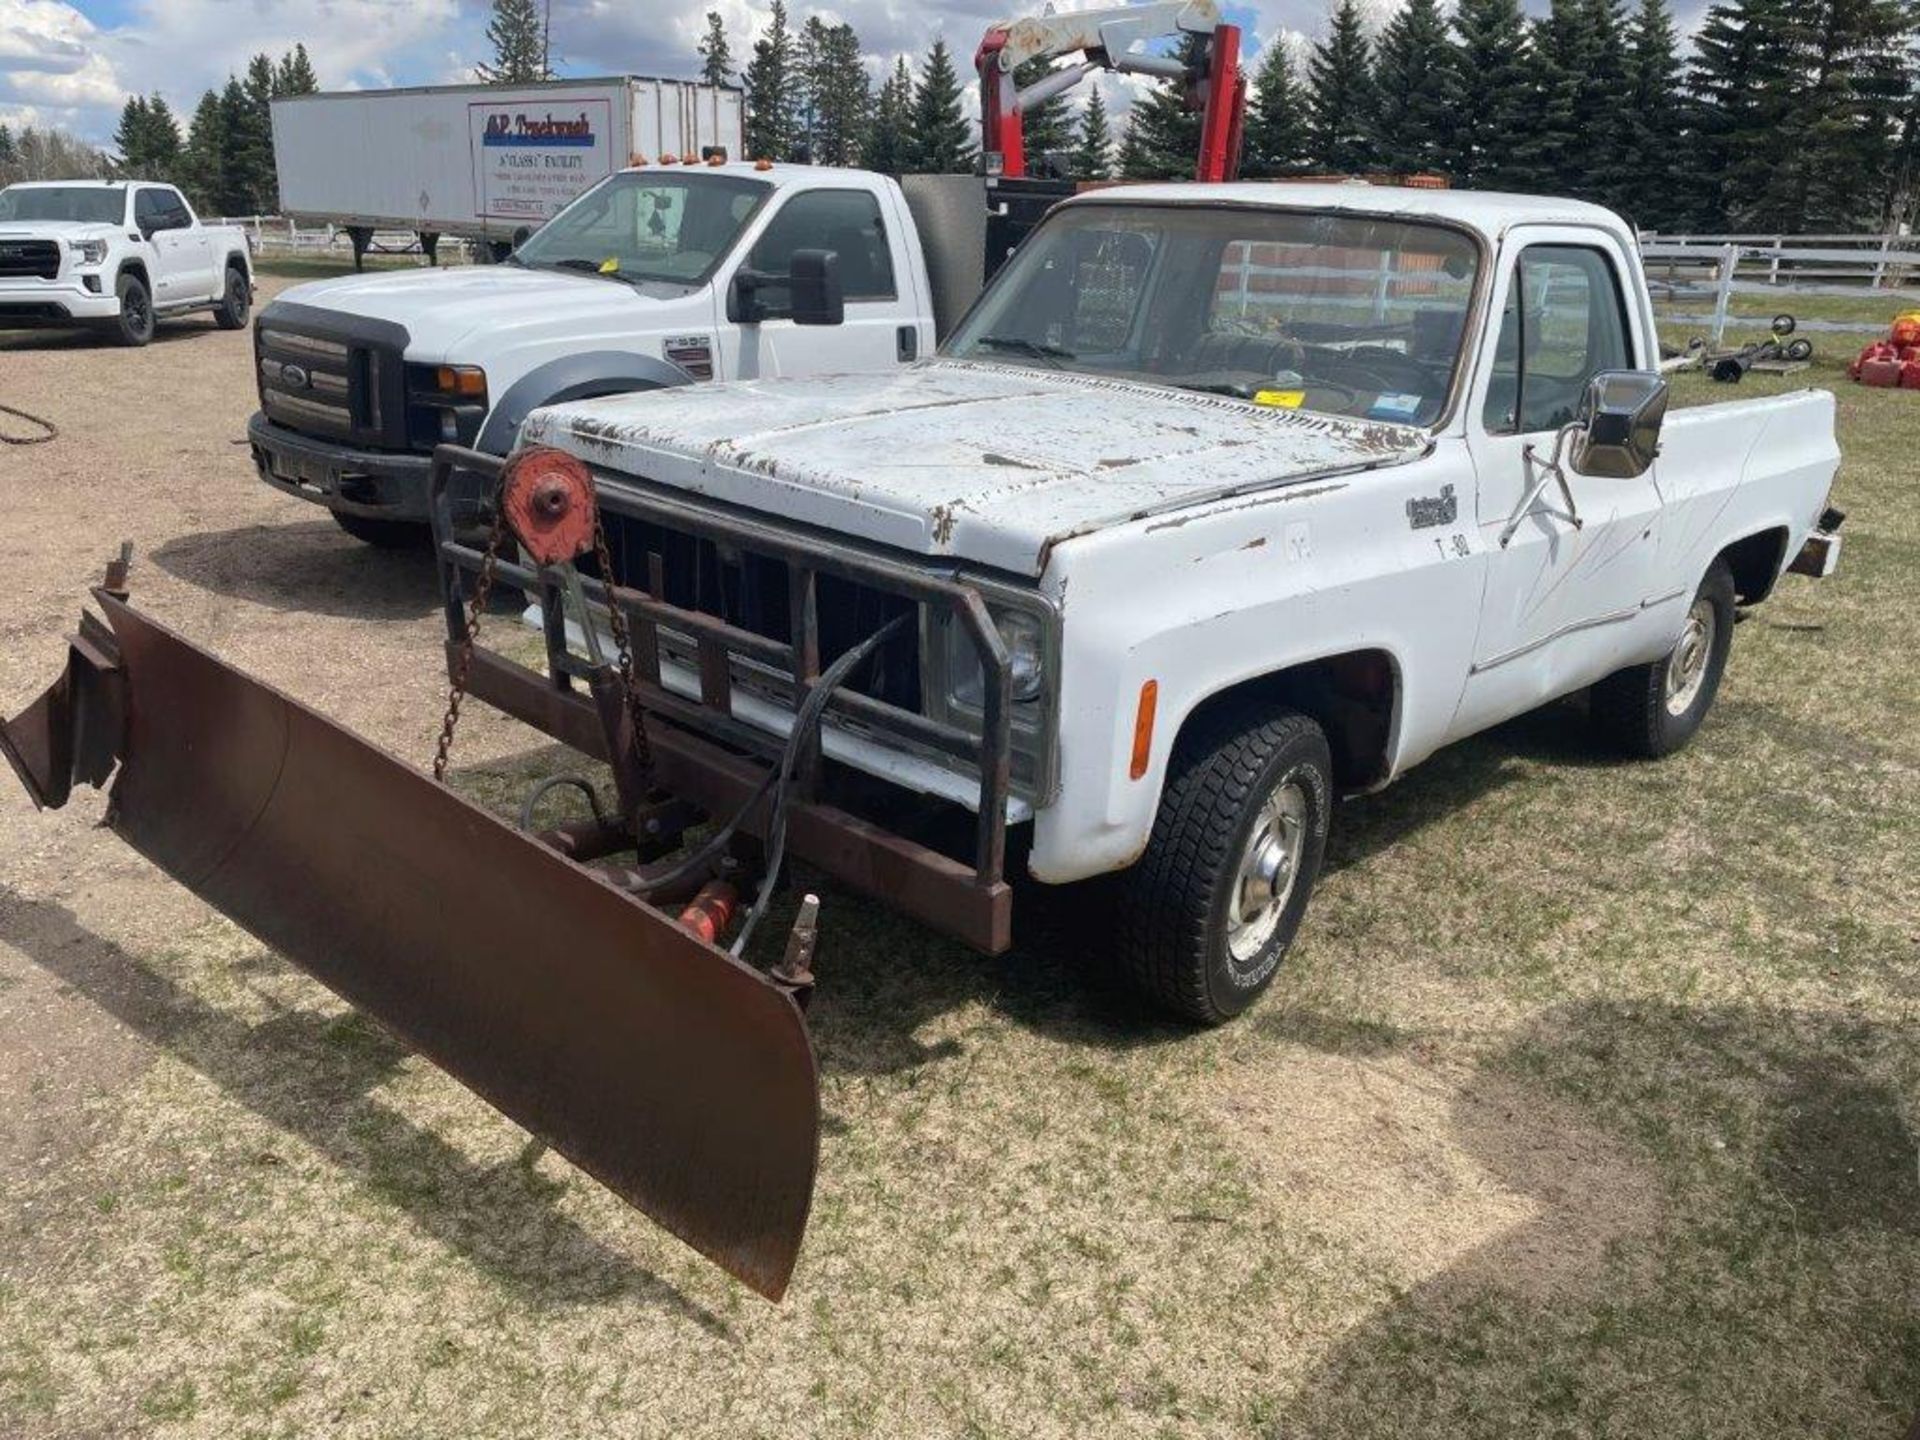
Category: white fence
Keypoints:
(1714, 268)
(277, 235)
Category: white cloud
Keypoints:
(49, 60)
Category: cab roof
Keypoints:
(1487, 211)
(69, 185)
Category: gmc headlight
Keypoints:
(1026, 671)
(91, 252)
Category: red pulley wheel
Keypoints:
(548, 498)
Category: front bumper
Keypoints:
(377, 484)
(41, 302)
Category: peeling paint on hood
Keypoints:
(992, 464)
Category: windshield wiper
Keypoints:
(1020, 345)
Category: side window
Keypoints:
(1565, 321)
(146, 211)
(847, 221)
(173, 210)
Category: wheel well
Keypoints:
(1755, 563)
(134, 267)
(239, 262)
(1353, 697)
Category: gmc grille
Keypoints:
(39, 259)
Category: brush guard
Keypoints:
(701, 752)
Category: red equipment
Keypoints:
(1894, 361)
(1113, 39)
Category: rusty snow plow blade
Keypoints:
(678, 1077)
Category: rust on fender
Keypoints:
(678, 1077)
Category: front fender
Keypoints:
(572, 377)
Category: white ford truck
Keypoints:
(661, 275)
(1221, 502)
(122, 254)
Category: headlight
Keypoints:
(91, 252)
(967, 683)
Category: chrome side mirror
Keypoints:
(1618, 431)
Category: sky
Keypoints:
(73, 63)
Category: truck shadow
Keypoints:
(81, 338)
(883, 977)
(1658, 1158)
(315, 1076)
(304, 566)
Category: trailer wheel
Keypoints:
(231, 312)
(1652, 710)
(385, 534)
(1209, 911)
(135, 323)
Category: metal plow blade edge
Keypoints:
(676, 1076)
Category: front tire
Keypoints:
(384, 534)
(1652, 710)
(231, 312)
(134, 325)
(1210, 910)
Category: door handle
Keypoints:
(906, 342)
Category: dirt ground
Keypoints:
(1586, 1107)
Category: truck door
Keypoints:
(849, 223)
(180, 257)
(1570, 582)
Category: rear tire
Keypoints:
(1210, 910)
(231, 312)
(134, 324)
(1652, 710)
(385, 534)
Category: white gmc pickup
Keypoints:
(1222, 501)
(123, 253)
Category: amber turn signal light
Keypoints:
(1143, 729)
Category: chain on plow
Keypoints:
(548, 529)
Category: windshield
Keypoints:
(93, 204)
(646, 225)
(1344, 314)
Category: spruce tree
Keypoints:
(1557, 151)
(253, 144)
(839, 102)
(7, 152)
(1655, 188)
(941, 137)
(1492, 68)
(772, 83)
(1164, 133)
(203, 163)
(518, 34)
(148, 139)
(889, 137)
(130, 137)
(1048, 128)
(1094, 143)
(295, 73)
(1135, 161)
(716, 56)
(1417, 89)
(1276, 139)
(1340, 97)
(1740, 89)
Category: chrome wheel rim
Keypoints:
(1268, 871)
(1687, 665)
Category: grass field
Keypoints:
(1587, 1106)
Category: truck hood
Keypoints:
(56, 229)
(441, 308)
(987, 463)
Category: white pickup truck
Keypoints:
(661, 275)
(120, 253)
(1223, 501)
(658, 276)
